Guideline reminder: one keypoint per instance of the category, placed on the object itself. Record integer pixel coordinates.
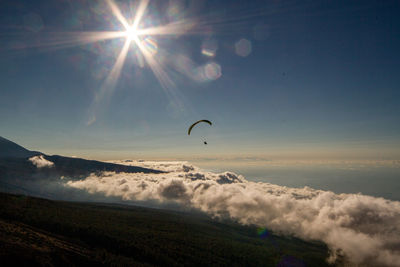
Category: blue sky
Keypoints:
(321, 80)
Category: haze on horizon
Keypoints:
(279, 79)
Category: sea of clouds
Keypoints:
(364, 229)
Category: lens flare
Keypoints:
(243, 47)
(212, 71)
(262, 232)
(150, 45)
(209, 48)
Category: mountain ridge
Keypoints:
(17, 168)
(10, 149)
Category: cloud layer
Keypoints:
(364, 229)
(41, 162)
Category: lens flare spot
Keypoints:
(212, 71)
(208, 72)
(175, 11)
(209, 48)
(150, 44)
(208, 53)
(33, 22)
(262, 232)
(243, 47)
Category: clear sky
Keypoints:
(278, 79)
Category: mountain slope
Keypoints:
(16, 168)
(56, 233)
(12, 150)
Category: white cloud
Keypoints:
(365, 229)
(41, 162)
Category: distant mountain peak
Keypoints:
(20, 166)
(9, 149)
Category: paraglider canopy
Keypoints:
(191, 126)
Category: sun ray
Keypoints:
(117, 13)
(119, 63)
(139, 13)
(160, 74)
(165, 81)
(57, 40)
(110, 83)
(175, 28)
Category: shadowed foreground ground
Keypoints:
(39, 232)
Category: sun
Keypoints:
(131, 33)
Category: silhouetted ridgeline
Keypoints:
(10, 149)
(14, 163)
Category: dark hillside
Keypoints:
(43, 232)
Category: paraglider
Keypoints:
(191, 126)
